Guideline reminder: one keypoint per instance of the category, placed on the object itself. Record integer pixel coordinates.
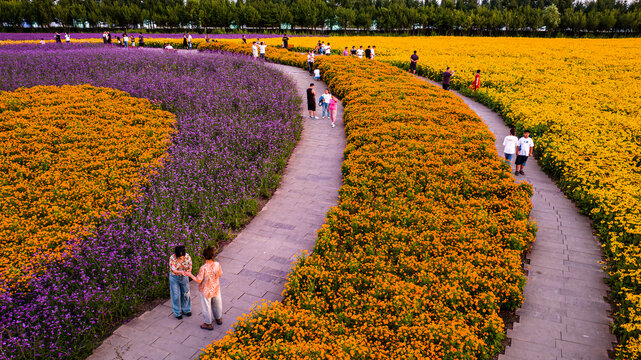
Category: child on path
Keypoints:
(509, 145)
(524, 149)
(311, 101)
(333, 109)
(209, 287)
(317, 74)
(325, 99)
(179, 262)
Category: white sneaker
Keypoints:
(316, 117)
(333, 125)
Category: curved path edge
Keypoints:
(565, 314)
(256, 263)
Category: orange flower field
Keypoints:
(69, 155)
(430, 230)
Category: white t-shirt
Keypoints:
(326, 98)
(328, 50)
(317, 73)
(509, 144)
(310, 58)
(67, 38)
(262, 48)
(524, 146)
(373, 53)
(359, 53)
(126, 39)
(255, 50)
(189, 37)
(169, 47)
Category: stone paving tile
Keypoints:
(257, 261)
(564, 315)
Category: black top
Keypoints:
(414, 58)
(446, 77)
(368, 53)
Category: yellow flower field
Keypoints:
(69, 155)
(580, 98)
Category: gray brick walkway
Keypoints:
(564, 315)
(257, 261)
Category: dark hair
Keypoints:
(526, 131)
(511, 131)
(414, 51)
(447, 68)
(311, 85)
(478, 71)
(179, 251)
(208, 253)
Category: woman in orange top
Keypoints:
(476, 84)
(210, 296)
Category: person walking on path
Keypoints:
(317, 74)
(509, 145)
(333, 109)
(524, 148)
(447, 75)
(325, 99)
(311, 101)
(310, 61)
(413, 62)
(255, 50)
(178, 284)
(285, 42)
(209, 287)
(476, 84)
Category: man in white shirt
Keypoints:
(262, 47)
(360, 52)
(524, 149)
(509, 146)
(328, 49)
(310, 61)
(255, 50)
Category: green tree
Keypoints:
(551, 17)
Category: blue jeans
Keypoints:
(179, 292)
(325, 106)
(508, 157)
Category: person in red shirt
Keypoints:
(476, 84)
(209, 286)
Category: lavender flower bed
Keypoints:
(49, 36)
(238, 122)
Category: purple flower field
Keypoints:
(49, 36)
(237, 123)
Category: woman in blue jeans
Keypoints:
(179, 262)
(325, 98)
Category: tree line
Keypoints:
(412, 16)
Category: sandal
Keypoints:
(219, 321)
(206, 326)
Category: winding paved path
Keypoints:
(564, 315)
(257, 261)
